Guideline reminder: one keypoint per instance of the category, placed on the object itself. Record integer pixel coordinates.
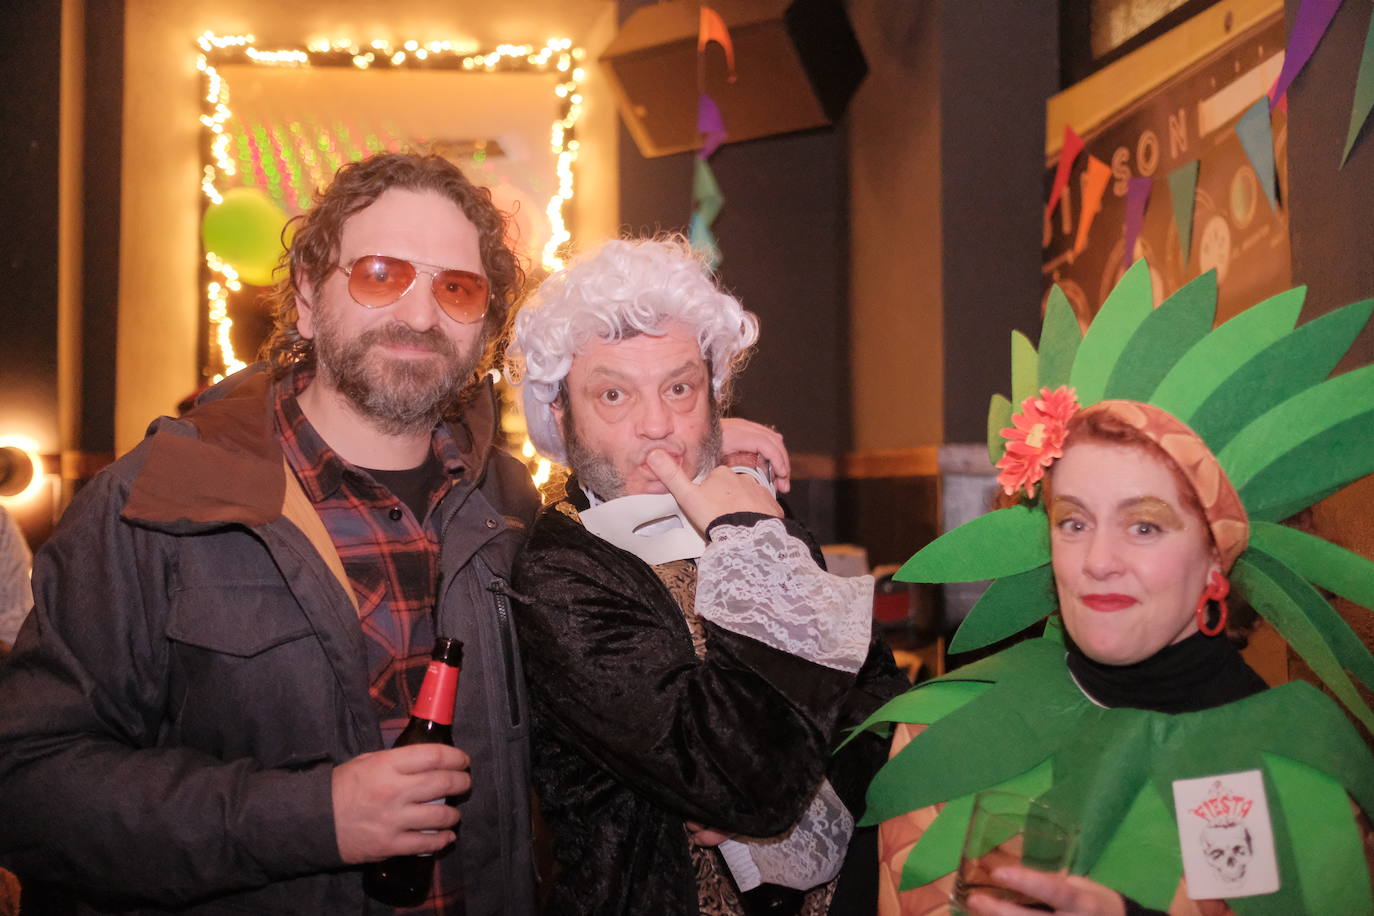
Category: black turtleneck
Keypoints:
(1198, 673)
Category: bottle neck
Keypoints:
(437, 694)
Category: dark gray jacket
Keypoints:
(193, 671)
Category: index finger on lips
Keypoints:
(668, 472)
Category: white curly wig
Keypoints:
(622, 288)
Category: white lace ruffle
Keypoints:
(761, 582)
(808, 855)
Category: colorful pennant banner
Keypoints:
(1068, 152)
(711, 126)
(1364, 92)
(1137, 196)
(707, 200)
(1095, 179)
(1314, 17)
(1182, 193)
(1257, 138)
(712, 28)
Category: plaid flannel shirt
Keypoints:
(391, 559)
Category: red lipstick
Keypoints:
(1108, 603)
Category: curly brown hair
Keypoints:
(314, 250)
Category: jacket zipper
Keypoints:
(497, 588)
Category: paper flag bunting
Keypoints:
(1137, 196)
(1183, 191)
(1068, 152)
(712, 28)
(1313, 18)
(1258, 140)
(1095, 179)
(1364, 93)
(711, 126)
(706, 205)
(704, 241)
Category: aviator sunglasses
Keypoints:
(377, 280)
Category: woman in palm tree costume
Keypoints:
(1170, 452)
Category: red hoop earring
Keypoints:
(1218, 587)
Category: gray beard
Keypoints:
(596, 471)
(399, 397)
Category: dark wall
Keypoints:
(1330, 206)
(1329, 222)
(784, 235)
(30, 71)
(101, 163)
(999, 64)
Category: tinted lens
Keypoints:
(462, 295)
(377, 281)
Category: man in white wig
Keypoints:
(691, 663)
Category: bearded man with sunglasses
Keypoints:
(234, 619)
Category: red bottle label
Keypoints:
(436, 694)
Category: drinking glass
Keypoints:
(1010, 829)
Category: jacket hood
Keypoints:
(222, 463)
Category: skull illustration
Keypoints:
(1227, 848)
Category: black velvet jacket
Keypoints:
(633, 734)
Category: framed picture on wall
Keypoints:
(1170, 112)
(279, 123)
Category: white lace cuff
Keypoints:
(808, 855)
(761, 582)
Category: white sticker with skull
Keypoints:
(1226, 836)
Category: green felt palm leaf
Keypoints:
(1129, 304)
(920, 773)
(1000, 543)
(1147, 833)
(1262, 581)
(1097, 790)
(1312, 471)
(1162, 338)
(937, 853)
(1212, 360)
(1285, 427)
(1323, 836)
(1289, 897)
(1009, 605)
(1114, 771)
(1280, 371)
(1059, 340)
(929, 702)
(999, 418)
(1345, 646)
(1318, 561)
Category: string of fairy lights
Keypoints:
(289, 161)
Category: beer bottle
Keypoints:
(404, 880)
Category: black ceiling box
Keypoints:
(798, 64)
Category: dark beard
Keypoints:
(597, 472)
(400, 397)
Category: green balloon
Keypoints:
(244, 230)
